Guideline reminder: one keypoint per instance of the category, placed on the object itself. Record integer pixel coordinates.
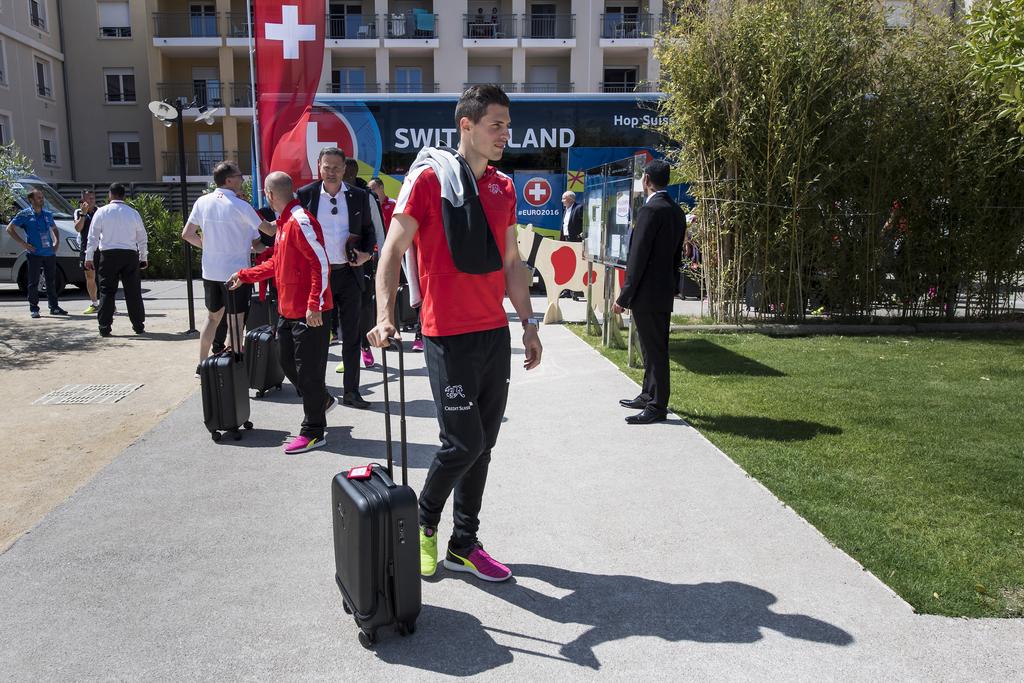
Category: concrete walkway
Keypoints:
(639, 553)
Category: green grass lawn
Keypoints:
(906, 452)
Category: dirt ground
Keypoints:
(50, 451)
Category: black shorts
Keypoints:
(215, 296)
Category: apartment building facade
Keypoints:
(33, 101)
(119, 55)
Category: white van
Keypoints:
(12, 255)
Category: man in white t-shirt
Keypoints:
(226, 228)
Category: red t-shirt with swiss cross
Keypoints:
(455, 302)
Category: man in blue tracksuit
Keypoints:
(40, 243)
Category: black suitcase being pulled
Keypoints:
(263, 360)
(376, 537)
(225, 389)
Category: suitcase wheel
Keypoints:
(215, 436)
(259, 394)
(411, 627)
(366, 639)
(248, 424)
(403, 630)
(236, 435)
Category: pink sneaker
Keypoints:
(417, 345)
(368, 358)
(301, 444)
(478, 563)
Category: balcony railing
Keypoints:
(490, 26)
(412, 87)
(338, 88)
(351, 26)
(112, 96)
(36, 19)
(196, 163)
(619, 25)
(115, 31)
(121, 160)
(49, 158)
(412, 25)
(625, 86)
(540, 26)
(549, 87)
(237, 25)
(241, 95)
(185, 25)
(44, 91)
(205, 93)
(507, 87)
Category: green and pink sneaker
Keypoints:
(477, 562)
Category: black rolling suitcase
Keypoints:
(377, 538)
(225, 389)
(263, 360)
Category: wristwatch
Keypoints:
(531, 321)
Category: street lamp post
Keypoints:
(167, 112)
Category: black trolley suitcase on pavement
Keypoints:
(376, 536)
(225, 389)
(263, 360)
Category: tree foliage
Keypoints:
(13, 165)
(840, 165)
(994, 42)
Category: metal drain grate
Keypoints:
(87, 393)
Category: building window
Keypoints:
(620, 79)
(48, 144)
(6, 135)
(37, 14)
(115, 19)
(3, 62)
(348, 80)
(44, 79)
(203, 20)
(120, 85)
(124, 149)
(408, 80)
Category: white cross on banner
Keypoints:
(290, 31)
(289, 60)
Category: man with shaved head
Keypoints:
(301, 271)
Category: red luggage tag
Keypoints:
(360, 472)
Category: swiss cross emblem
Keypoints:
(537, 192)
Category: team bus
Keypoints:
(555, 138)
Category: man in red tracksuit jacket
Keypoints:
(301, 272)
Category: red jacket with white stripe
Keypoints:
(299, 265)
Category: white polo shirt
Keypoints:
(334, 225)
(229, 226)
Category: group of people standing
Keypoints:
(113, 249)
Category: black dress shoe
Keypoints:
(104, 331)
(353, 399)
(635, 403)
(647, 417)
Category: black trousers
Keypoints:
(48, 264)
(469, 376)
(652, 328)
(303, 351)
(120, 265)
(348, 300)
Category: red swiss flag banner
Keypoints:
(289, 60)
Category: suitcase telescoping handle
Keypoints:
(395, 345)
(232, 310)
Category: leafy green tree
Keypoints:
(13, 165)
(995, 44)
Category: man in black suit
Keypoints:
(572, 219)
(652, 271)
(349, 239)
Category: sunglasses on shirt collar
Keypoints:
(334, 207)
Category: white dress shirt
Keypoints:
(117, 226)
(334, 225)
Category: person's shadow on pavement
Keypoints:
(618, 607)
